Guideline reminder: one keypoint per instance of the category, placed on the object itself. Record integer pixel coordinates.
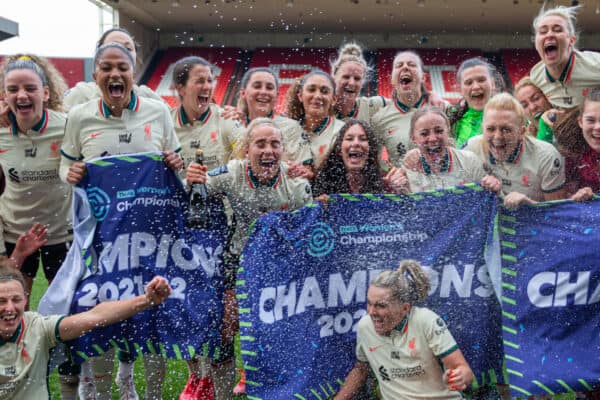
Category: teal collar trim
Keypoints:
(445, 164)
(514, 157)
(404, 108)
(39, 127)
(319, 129)
(254, 182)
(566, 74)
(401, 327)
(14, 127)
(184, 120)
(351, 114)
(134, 105)
(248, 120)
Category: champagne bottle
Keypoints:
(198, 210)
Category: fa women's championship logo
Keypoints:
(322, 240)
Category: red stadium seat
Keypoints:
(72, 69)
(223, 59)
(440, 69)
(518, 62)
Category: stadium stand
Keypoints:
(290, 63)
(518, 62)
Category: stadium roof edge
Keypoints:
(8, 29)
(343, 16)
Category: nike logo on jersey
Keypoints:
(372, 349)
(2, 151)
(95, 134)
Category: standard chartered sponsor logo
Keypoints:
(322, 240)
(33, 176)
(99, 201)
(398, 373)
(407, 372)
(384, 373)
(14, 175)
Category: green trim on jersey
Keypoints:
(270, 115)
(57, 330)
(39, 126)
(70, 157)
(402, 325)
(185, 120)
(133, 105)
(405, 108)
(256, 183)
(319, 129)
(514, 157)
(445, 167)
(351, 114)
(447, 352)
(566, 73)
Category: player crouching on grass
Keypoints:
(26, 337)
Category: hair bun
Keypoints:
(351, 49)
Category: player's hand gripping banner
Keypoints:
(305, 276)
(130, 225)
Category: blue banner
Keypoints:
(139, 208)
(551, 297)
(304, 278)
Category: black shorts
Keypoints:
(52, 257)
